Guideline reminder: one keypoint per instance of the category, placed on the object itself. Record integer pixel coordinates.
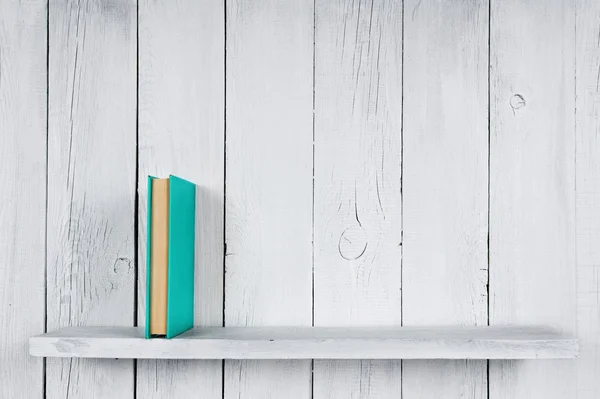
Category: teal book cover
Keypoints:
(180, 270)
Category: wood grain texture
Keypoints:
(357, 200)
(532, 186)
(22, 193)
(269, 184)
(445, 185)
(314, 343)
(181, 132)
(91, 185)
(588, 197)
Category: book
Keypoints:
(159, 255)
(170, 256)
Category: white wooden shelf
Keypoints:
(310, 343)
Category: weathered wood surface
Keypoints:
(91, 186)
(445, 184)
(357, 201)
(312, 343)
(22, 193)
(532, 186)
(92, 94)
(181, 132)
(588, 197)
(269, 96)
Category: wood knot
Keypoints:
(517, 101)
(122, 266)
(353, 243)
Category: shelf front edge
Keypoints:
(302, 343)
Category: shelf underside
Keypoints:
(506, 342)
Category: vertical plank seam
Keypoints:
(44, 360)
(312, 362)
(575, 127)
(402, 195)
(575, 227)
(489, 139)
(137, 165)
(224, 183)
(137, 182)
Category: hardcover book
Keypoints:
(170, 256)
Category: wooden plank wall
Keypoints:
(91, 185)
(587, 122)
(22, 194)
(358, 162)
(357, 198)
(268, 230)
(181, 131)
(445, 185)
(532, 186)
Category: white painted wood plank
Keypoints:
(357, 222)
(445, 185)
(269, 184)
(313, 342)
(181, 131)
(23, 194)
(91, 185)
(588, 197)
(532, 186)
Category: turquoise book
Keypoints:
(170, 256)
